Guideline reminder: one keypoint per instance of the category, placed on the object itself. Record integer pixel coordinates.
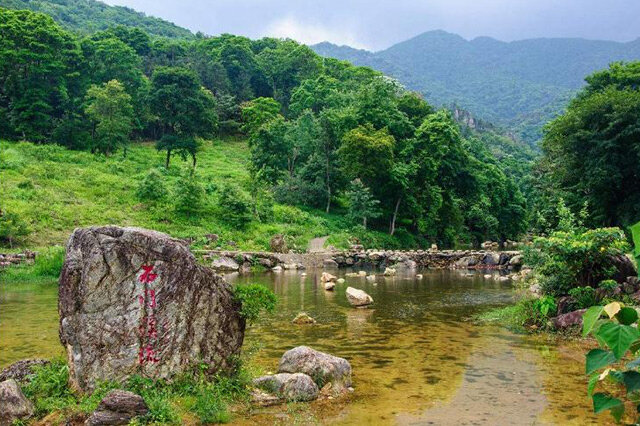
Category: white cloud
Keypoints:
(312, 33)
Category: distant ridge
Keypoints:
(89, 16)
(519, 85)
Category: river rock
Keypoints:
(322, 367)
(21, 370)
(291, 387)
(388, 272)
(303, 318)
(277, 268)
(340, 280)
(13, 404)
(568, 319)
(491, 259)
(515, 261)
(225, 263)
(134, 301)
(118, 407)
(329, 286)
(358, 297)
(329, 263)
(328, 278)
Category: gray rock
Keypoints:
(13, 404)
(322, 367)
(118, 407)
(329, 263)
(225, 263)
(134, 301)
(491, 259)
(358, 297)
(21, 370)
(516, 260)
(303, 318)
(291, 387)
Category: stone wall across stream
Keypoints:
(224, 260)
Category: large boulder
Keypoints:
(569, 319)
(13, 404)
(322, 367)
(134, 301)
(118, 407)
(291, 387)
(358, 297)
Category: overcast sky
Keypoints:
(377, 24)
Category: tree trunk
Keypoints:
(364, 222)
(392, 229)
(166, 164)
(194, 162)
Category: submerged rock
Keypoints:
(290, 386)
(340, 281)
(322, 367)
(13, 404)
(134, 301)
(118, 407)
(329, 286)
(358, 297)
(389, 272)
(303, 318)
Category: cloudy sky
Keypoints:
(377, 24)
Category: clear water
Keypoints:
(416, 357)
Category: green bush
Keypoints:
(585, 297)
(235, 206)
(188, 194)
(254, 298)
(608, 285)
(12, 228)
(151, 188)
(526, 314)
(565, 260)
(48, 388)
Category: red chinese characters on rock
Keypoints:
(148, 329)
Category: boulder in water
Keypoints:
(358, 297)
(134, 301)
(291, 387)
(322, 367)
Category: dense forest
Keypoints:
(321, 131)
(322, 134)
(519, 85)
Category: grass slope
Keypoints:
(56, 190)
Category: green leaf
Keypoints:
(627, 316)
(618, 337)
(602, 401)
(590, 317)
(631, 380)
(598, 358)
(593, 381)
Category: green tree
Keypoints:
(259, 112)
(109, 108)
(235, 206)
(12, 228)
(151, 188)
(591, 151)
(189, 195)
(362, 205)
(184, 111)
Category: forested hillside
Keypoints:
(322, 134)
(88, 16)
(520, 85)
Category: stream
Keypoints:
(416, 356)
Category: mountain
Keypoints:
(88, 16)
(519, 85)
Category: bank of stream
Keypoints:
(417, 357)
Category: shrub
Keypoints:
(48, 387)
(254, 299)
(235, 206)
(608, 285)
(151, 188)
(565, 260)
(585, 297)
(12, 228)
(188, 194)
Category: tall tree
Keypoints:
(109, 108)
(184, 110)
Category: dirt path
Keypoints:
(316, 245)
